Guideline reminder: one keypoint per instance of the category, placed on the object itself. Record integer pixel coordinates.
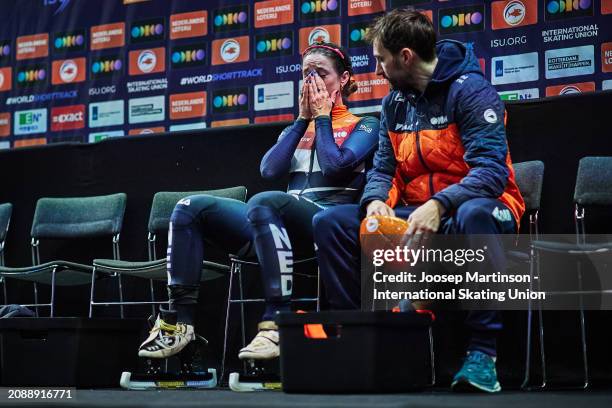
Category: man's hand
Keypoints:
(378, 207)
(426, 218)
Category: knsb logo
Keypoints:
(513, 13)
(5, 51)
(230, 50)
(274, 44)
(68, 71)
(358, 7)
(147, 31)
(187, 56)
(188, 25)
(147, 61)
(570, 89)
(31, 75)
(231, 18)
(106, 66)
(67, 118)
(519, 94)
(461, 19)
(563, 9)
(6, 79)
(69, 41)
(187, 105)
(311, 10)
(61, 5)
(357, 34)
(230, 100)
(30, 122)
(311, 35)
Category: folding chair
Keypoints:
(593, 188)
(155, 269)
(68, 218)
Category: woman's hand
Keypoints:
(320, 101)
(305, 112)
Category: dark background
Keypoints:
(559, 131)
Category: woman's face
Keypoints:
(325, 68)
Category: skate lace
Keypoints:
(166, 331)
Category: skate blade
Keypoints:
(251, 384)
(138, 382)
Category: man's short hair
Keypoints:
(405, 28)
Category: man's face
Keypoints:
(389, 67)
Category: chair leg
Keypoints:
(432, 357)
(53, 292)
(5, 291)
(318, 289)
(152, 296)
(120, 295)
(583, 330)
(92, 291)
(227, 316)
(242, 312)
(36, 298)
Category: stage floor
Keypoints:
(431, 399)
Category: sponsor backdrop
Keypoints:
(73, 72)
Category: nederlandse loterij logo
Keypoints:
(230, 50)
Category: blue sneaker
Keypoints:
(477, 374)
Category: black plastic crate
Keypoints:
(363, 352)
(70, 352)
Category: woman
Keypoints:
(325, 153)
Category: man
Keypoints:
(442, 162)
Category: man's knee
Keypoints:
(188, 209)
(324, 222)
(475, 212)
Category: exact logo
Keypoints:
(564, 9)
(147, 61)
(461, 19)
(187, 56)
(230, 50)
(106, 66)
(325, 33)
(188, 25)
(30, 122)
(274, 44)
(31, 75)
(230, 100)
(147, 31)
(67, 118)
(69, 41)
(357, 33)
(310, 10)
(68, 71)
(6, 78)
(231, 18)
(5, 51)
(513, 13)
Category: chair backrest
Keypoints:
(529, 177)
(6, 210)
(78, 217)
(594, 181)
(164, 202)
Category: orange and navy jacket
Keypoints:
(447, 143)
(326, 159)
